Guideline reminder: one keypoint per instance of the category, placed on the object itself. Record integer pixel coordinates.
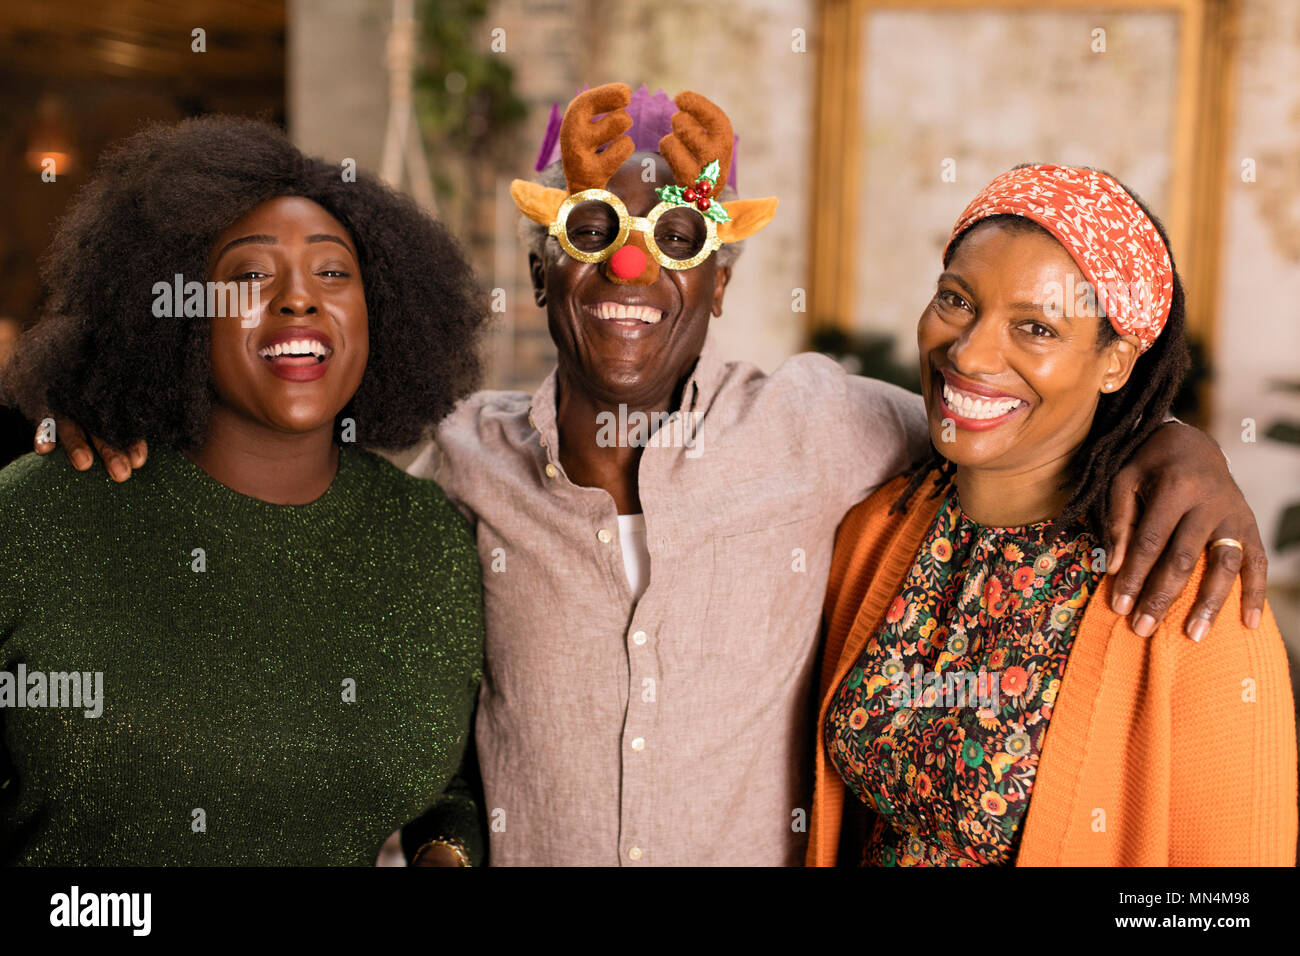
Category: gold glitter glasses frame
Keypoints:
(626, 223)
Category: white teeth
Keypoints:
(974, 407)
(617, 310)
(297, 347)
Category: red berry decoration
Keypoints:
(703, 203)
(690, 195)
(703, 188)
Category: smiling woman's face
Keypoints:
(1018, 381)
(629, 343)
(297, 368)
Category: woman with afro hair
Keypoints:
(265, 649)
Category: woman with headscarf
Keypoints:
(981, 703)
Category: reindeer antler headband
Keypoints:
(689, 223)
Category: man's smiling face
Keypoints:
(627, 343)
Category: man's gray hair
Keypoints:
(540, 243)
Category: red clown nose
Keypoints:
(628, 262)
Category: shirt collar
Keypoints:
(701, 385)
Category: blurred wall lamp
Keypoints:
(50, 137)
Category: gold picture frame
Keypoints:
(1201, 120)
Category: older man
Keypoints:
(653, 601)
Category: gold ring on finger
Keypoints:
(1226, 543)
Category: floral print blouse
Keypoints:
(939, 725)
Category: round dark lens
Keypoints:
(591, 226)
(680, 233)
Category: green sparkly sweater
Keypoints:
(281, 684)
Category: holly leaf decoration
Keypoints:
(717, 213)
(672, 194)
(710, 172)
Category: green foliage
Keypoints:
(1288, 528)
(1284, 431)
(464, 91)
(869, 354)
(1288, 432)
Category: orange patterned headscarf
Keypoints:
(1112, 241)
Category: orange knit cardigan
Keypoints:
(1160, 751)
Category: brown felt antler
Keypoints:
(584, 168)
(580, 137)
(701, 133)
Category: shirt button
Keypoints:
(634, 853)
(638, 743)
(638, 637)
(603, 536)
(550, 470)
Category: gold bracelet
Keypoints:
(456, 846)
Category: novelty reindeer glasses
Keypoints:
(689, 223)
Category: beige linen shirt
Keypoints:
(677, 729)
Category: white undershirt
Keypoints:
(636, 556)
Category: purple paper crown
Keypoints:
(652, 120)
